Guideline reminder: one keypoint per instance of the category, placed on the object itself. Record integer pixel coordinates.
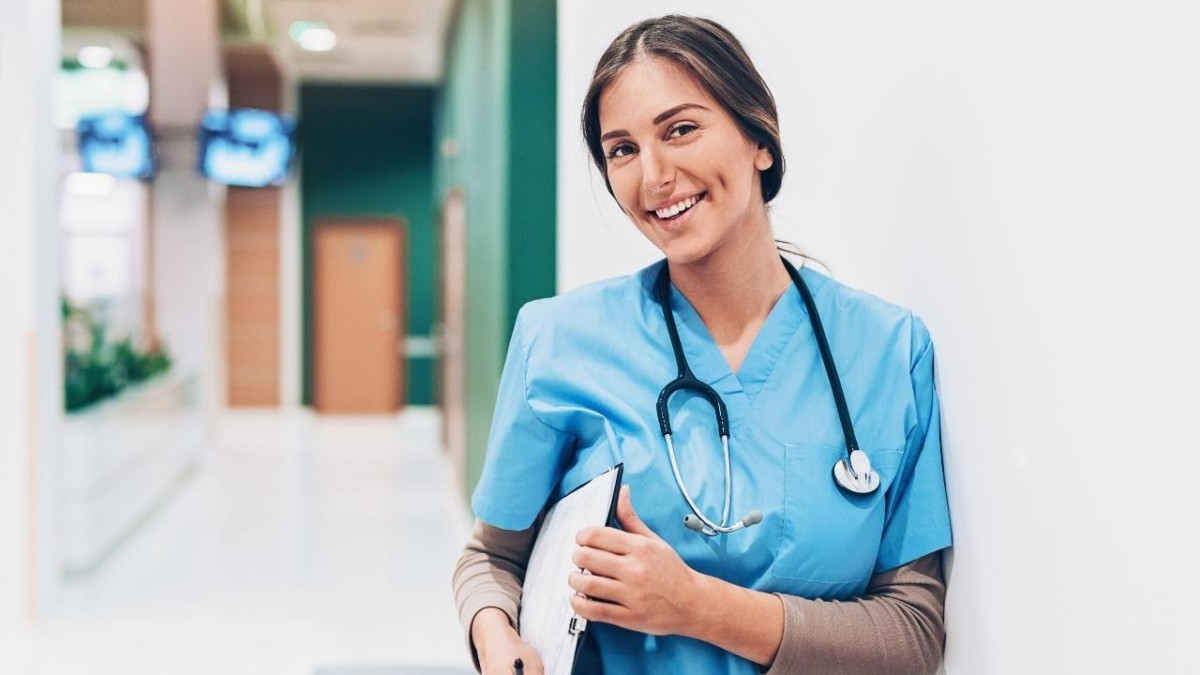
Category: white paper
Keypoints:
(546, 598)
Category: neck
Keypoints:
(735, 289)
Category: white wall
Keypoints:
(30, 360)
(1026, 177)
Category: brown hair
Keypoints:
(712, 55)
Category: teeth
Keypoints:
(677, 208)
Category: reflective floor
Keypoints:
(303, 545)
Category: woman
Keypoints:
(685, 132)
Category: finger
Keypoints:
(609, 539)
(597, 610)
(598, 587)
(628, 518)
(599, 562)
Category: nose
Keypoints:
(658, 174)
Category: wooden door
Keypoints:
(358, 316)
(452, 304)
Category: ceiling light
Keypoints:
(95, 57)
(313, 36)
(318, 40)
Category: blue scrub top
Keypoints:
(578, 396)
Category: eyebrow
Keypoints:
(664, 115)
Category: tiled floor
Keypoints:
(303, 544)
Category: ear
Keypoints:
(763, 159)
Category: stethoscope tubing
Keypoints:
(723, 526)
(835, 382)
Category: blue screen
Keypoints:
(118, 144)
(246, 147)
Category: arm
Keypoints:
(896, 628)
(487, 588)
(638, 582)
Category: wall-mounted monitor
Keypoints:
(117, 144)
(246, 147)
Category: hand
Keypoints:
(633, 578)
(498, 645)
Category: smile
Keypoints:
(679, 207)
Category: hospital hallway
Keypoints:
(303, 545)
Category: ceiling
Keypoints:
(391, 41)
(394, 40)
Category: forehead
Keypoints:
(644, 89)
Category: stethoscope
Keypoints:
(852, 473)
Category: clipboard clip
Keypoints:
(578, 625)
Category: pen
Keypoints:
(518, 667)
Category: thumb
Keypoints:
(628, 518)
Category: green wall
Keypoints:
(532, 166)
(368, 151)
(498, 111)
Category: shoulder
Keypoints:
(607, 305)
(867, 319)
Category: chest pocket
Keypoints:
(828, 537)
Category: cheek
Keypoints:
(739, 173)
(624, 188)
(722, 165)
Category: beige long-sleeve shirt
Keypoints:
(895, 628)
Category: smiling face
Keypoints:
(679, 165)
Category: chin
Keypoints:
(684, 253)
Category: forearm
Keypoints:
(895, 629)
(745, 622)
(487, 624)
(487, 580)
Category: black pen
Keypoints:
(518, 667)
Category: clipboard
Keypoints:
(546, 621)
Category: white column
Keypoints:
(291, 234)
(183, 40)
(30, 351)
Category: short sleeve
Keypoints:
(524, 455)
(918, 514)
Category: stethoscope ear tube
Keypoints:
(694, 523)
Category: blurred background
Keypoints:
(262, 259)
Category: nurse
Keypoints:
(686, 134)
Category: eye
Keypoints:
(620, 150)
(681, 129)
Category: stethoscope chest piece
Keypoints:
(857, 478)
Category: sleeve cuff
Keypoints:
(791, 653)
(468, 611)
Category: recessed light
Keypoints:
(313, 36)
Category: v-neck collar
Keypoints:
(709, 364)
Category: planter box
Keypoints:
(120, 459)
